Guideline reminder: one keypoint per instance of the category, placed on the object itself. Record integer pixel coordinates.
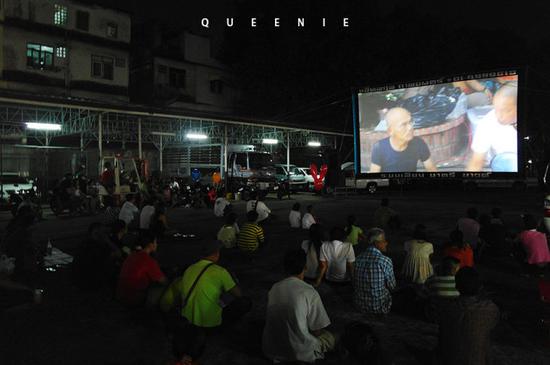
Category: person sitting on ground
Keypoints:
(112, 211)
(336, 258)
(118, 232)
(296, 318)
(19, 244)
(147, 212)
(229, 231)
(295, 216)
(204, 307)
(417, 266)
(312, 248)
(159, 222)
(129, 210)
(251, 236)
(492, 238)
(465, 324)
(374, 279)
(95, 265)
(361, 346)
(469, 227)
(459, 249)
(496, 216)
(222, 206)
(354, 234)
(139, 273)
(535, 245)
(384, 216)
(256, 204)
(442, 284)
(308, 219)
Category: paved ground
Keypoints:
(73, 326)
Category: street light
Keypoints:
(197, 136)
(44, 126)
(269, 141)
(314, 144)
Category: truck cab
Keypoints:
(251, 169)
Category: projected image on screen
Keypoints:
(462, 126)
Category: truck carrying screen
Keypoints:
(458, 125)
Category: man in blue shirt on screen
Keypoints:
(401, 151)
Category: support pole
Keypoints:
(100, 137)
(160, 154)
(288, 153)
(140, 152)
(224, 174)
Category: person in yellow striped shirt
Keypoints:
(251, 236)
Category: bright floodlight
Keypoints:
(196, 136)
(44, 126)
(314, 144)
(269, 141)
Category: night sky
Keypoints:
(305, 76)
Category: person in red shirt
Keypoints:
(139, 271)
(459, 250)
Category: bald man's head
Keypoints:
(506, 104)
(399, 124)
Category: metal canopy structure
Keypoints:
(163, 130)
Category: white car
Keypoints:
(12, 183)
(370, 185)
(307, 172)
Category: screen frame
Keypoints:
(460, 175)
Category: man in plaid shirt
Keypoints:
(374, 278)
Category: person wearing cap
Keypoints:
(139, 272)
(205, 306)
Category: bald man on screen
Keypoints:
(496, 135)
(401, 151)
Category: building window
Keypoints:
(39, 56)
(162, 69)
(82, 20)
(177, 78)
(102, 67)
(120, 62)
(61, 52)
(216, 86)
(112, 30)
(60, 14)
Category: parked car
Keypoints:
(296, 177)
(12, 185)
(309, 178)
(368, 185)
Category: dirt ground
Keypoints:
(76, 327)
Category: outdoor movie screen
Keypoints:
(459, 125)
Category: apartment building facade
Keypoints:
(65, 48)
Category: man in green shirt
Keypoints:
(204, 305)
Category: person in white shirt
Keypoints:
(336, 258)
(308, 219)
(145, 216)
(295, 216)
(259, 206)
(296, 318)
(312, 248)
(220, 205)
(129, 211)
(497, 135)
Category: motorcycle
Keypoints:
(59, 204)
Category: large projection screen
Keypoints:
(449, 127)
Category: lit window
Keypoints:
(112, 30)
(60, 14)
(61, 52)
(102, 67)
(39, 56)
